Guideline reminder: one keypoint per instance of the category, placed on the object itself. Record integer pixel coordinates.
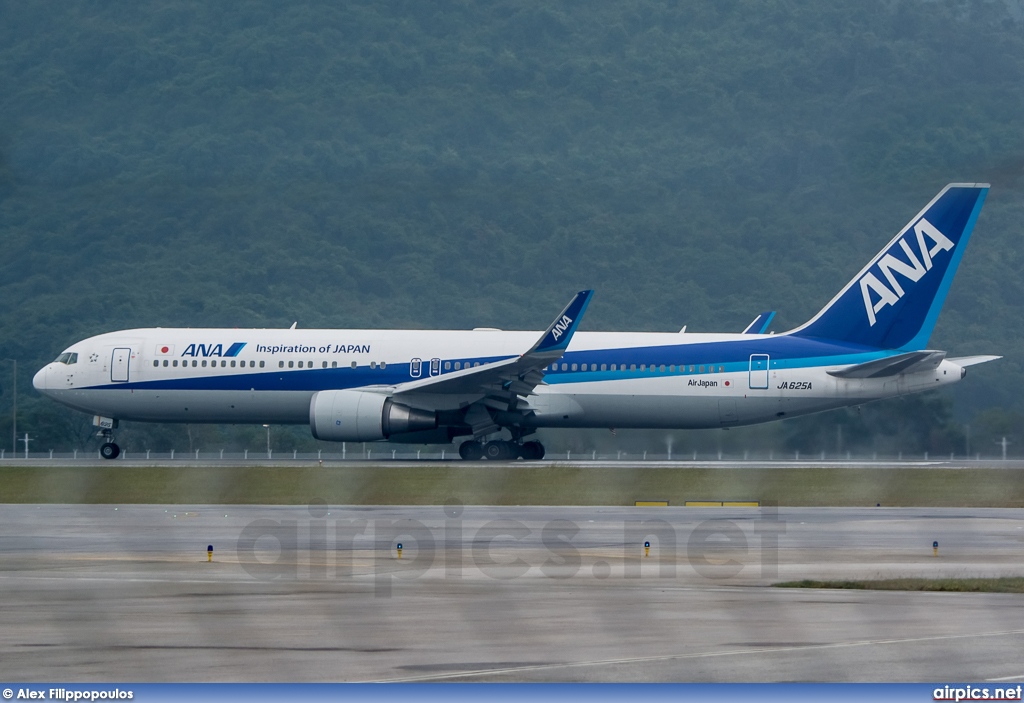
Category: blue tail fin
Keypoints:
(894, 301)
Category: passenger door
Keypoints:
(758, 371)
(119, 363)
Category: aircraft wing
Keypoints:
(502, 381)
(893, 365)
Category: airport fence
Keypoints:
(383, 453)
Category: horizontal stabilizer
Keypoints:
(910, 362)
(965, 361)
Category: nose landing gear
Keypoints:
(109, 449)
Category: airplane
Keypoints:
(433, 386)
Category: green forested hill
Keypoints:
(458, 164)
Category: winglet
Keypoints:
(760, 323)
(558, 334)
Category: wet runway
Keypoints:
(318, 593)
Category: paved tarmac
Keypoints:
(318, 593)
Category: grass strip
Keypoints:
(518, 484)
(1004, 584)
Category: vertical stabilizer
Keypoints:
(894, 301)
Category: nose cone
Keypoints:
(39, 380)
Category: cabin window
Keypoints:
(447, 366)
(253, 362)
(632, 367)
(702, 368)
(672, 368)
(334, 364)
(476, 363)
(291, 364)
(300, 364)
(204, 363)
(355, 365)
(309, 364)
(174, 363)
(280, 364)
(573, 367)
(643, 367)
(383, 364)
(155, 362)
(458, 365)
(233, 363)
(325, 365)
(662, 368)
(373, 364)
(604, 367)
(721, 369)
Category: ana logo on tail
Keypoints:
(561, 326)
(913, 269)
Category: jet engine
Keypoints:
(359, 416)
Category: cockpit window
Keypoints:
(67, 358)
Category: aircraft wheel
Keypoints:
(471, 451)
(498, 450)
(109, 450)
(532, 451)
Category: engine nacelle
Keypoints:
(358, 416)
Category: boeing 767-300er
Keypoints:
(412, 386)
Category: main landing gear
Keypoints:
(501, 450)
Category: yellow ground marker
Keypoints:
(651, 503)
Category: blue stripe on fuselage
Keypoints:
(785, 352)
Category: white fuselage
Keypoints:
(605, 379)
